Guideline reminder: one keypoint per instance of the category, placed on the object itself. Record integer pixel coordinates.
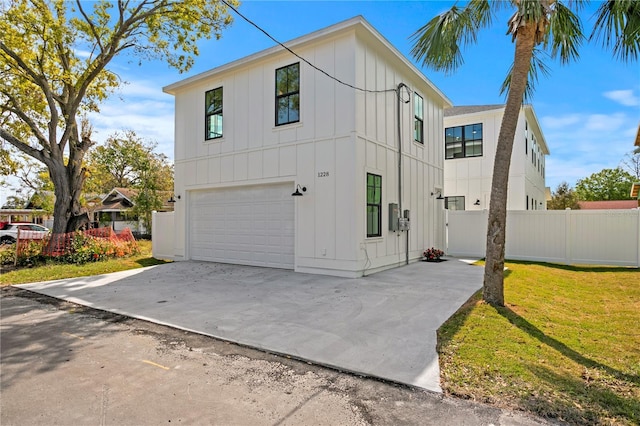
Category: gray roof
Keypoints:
(470, 109)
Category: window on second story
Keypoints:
(463, 141)
(213, 114)
(418, 122)
(288, 94)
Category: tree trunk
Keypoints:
(67, 180)
(493, 287)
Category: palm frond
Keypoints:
(537, 68)
(438, 43)
(565, 33)
(618, 25)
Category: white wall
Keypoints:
(342, 135)
(605, 237)
(377, 152)
(471, 177)
(163, 238)
(255, 151)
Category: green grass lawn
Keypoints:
(566, 346)
(55, 271)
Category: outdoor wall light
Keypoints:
(477, 203)
(173, 200)
(298, 193)
(439, 197)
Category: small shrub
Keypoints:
(86, 248)
(7, 254)
(432, 254)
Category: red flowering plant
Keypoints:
(432, 254)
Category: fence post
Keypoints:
(568, 252)
(638, 240)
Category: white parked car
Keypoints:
(9, 232)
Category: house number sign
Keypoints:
(323, 174)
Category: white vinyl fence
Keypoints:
(601, 237)
(162, 235)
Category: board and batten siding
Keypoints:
(471, 177)
(377, 145)
(342, 134)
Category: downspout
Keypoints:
(400, 86)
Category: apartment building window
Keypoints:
(454, 203)
(374, 205)
(418, 121)
(288, 94)
(463, 141)
(213, 114)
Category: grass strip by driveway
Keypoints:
(566, 346)
(56, 271)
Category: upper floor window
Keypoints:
(213, 114)
(288, 94)
(374, 205)
(418, 112)
(463, 141)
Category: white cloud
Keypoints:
(623, 97)
(604, 122)
(559, 122)
(150, 119)
(143, 89)
(591, 142)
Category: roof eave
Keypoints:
(347, 25)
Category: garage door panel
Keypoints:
(246, 225)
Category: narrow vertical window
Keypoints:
(418, 122)
(374, 205)
(213, 114)
(288, 94)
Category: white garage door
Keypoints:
(250, 225)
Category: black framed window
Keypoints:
(418, 122)
(454, 203)
(213, 114)
(463, 141)
(374, 205)
(288, 94)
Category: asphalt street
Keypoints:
(63, 363)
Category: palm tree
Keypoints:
(536, 27)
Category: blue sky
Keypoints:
(589, 110)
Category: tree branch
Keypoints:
(91, 25)
(26, 148)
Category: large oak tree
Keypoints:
(54, 58)
(535, 26)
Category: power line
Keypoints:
(303, 59)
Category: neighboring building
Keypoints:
(471, 136)
(251, 133)
(114, 210)
(608, 205)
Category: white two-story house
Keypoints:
(278, 164)
(471, 136)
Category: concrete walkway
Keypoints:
(383, 325)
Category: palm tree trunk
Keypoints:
(493, 287)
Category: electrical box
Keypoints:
(404, 222)
(394, 216)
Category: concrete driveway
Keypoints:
(383, 325)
